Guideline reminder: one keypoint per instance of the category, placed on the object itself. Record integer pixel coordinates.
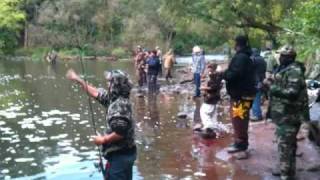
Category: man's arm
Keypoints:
(119, 129)
(91, 90)
(292, 87)
(235, 71)
(107, 139)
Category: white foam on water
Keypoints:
(61, 136)
(22, 160)
(2, 123)
(31, 151)
(84, 122)
(5, 171)
(49, 121)
(6, 139)
(33, 138)
(8, 159)
(28, 126)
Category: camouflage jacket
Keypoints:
(118, 119)
(289, 98)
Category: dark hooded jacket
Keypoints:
(240, 75)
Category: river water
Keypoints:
(45, 128)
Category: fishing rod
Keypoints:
(91, 110)
(81, 48)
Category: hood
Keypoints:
(119, 85)
(245, 50)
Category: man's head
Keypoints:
(212, 68)
(241, 42)
(287, 55)
(119, 83)
(196, 50)
(255, 52)
(153, 53)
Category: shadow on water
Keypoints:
(45, 128)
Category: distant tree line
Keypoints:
(107, 26)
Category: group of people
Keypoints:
(247, 78)
(149, 66)
(287, 95)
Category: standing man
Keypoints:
(260, 73)
(140, 65)
(198, 67)
(153, 65)
(289, 108)
(118, 143)
(159, 54)
(240, 79)
(169, 60)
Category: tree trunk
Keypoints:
(26, 35)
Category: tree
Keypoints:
(11, 18)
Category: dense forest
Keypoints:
(117, 26)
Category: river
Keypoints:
(45, 128)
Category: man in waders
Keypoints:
(118, 143)
(240, 79)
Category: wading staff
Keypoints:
(91, 111)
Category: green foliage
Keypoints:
(303, 29)
(115, 26)
(11, 19)
(120, 52)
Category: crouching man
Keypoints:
(118, 143)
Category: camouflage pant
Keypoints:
(287, 146)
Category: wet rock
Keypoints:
(241, 155)
(182, 115)
(299, 154)
(313, 168)
(139, 95)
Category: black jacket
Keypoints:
(240, 75)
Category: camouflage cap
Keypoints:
(287, 50)
(120, 84)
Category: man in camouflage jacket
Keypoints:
(289, 108)
(118, 143)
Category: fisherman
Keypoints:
(118, 144)
(240, 79)
(289, 108)
(210, 127)
(153, 66)
(169, 60)
(260, 73)
(198, 68)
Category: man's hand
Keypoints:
(99, 140)
(72, 75)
